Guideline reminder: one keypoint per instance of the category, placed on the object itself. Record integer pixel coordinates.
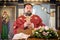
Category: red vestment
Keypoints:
(19, 23)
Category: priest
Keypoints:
(27, 20)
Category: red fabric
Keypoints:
(19, 23)
(37, 21)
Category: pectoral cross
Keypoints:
(28, 19)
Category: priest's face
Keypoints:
(28, 10)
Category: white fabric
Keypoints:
(52, 21)
(21, 36)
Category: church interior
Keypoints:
(47, 10)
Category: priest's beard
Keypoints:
(28, 13)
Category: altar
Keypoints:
(29, 32)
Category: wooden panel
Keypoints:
(0, 24)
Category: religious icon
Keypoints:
(5, 17)
(5, 20)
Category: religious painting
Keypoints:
(8, 16)
(52, 18)
(5, 21)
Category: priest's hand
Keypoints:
(28, 25)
